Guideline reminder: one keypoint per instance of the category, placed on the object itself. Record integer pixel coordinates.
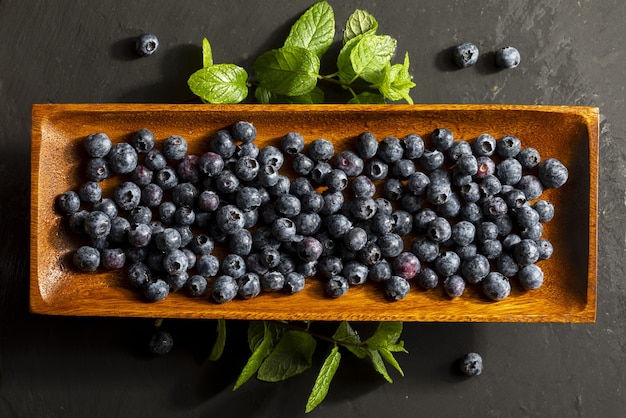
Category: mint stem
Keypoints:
(314, 334)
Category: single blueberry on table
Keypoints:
(459, 149)
(425, 249)
(552, 173)
(507, 57)
(507, 265)
(471, 364)
(391, 245)
(484, 145)
(177, 281)
(175, 262)
(509, 171)
(432, 159)
(336, 180)
(141, 175)
(531, 186)
(240, 242)
(530, 277)
(161, 343)
(211, 164)
(403, 168)
(146, 44)
(187, 169)
(233, 265)
(302, 164)
(337, 286)
(475, 268)
(447, 263)
(465, 55)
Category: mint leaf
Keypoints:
(397, 81)
(256, 333)
(349, 338)
(207, 54)
(220, 342)
(263, 95)
(371, 54)
(379, 364)
(315, 96)
(367, 97)
(344, 65)
(292, 355)
(397, 348)
(290, 70)
(386, 333)
(358, 23)
(314, 30)
(324, 377)
(220, 83)
(259, 354)
(389, 358)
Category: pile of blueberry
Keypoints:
(470, 212)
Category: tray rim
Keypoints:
(590, 114)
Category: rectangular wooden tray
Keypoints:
(567, 133)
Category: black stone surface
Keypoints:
(82, 52)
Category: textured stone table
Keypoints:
(81, 52)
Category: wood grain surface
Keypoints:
(567, 133)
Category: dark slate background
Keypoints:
(81, 52)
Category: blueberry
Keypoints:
(249, 149)
(413, 145)
(122, 158)
(451, 207)
(471, 364)
(366, 145)
(490, 185)
(287, 264)
(312, 202)
(425, 249)
(466, 251)
(507, 57)
(533, 232)
(146, 44)
(393, 189)
(141, 175)
(427, 278)
(370, 254)
(240, 242)
(531, 186)
(307, 223)
(196, 285)
(97, 169)
(338, 225)
(496, 286)
(337, 286)
(97, 144)
(266, 177)
(207, 265)
(292, 143)
(321, 150)
(431, 159)
(90, 192)
(529, 158)
(484, 145)
(139, 214)
(166, 178)
(465, 55)
(233, 265)
(294, 282)
(138, 274)
(355, 272)
(302, 164)
(230, 219)
(187, 169)
(471, 212)
(442, 139)
(447, 263)
(491, 248)
(243, 131)
(463, 232)
(390, 149)
(68, 202)
(397, 288)
(391, 245)
(177, 281)
(459, 149)
(119, 229)
(363, 208)
(355, 239)
(273, 281)
(454, 286)
(530, 277)
(211, 164)
(136, 255)
(545, 209)
(301, 186)
(403, 168)
(329, 266)
(224, 289)
(495, 207)
(246, 168)
(175, 262)
(504, 224)
(202, 244)
(249, 285)
(168, 240)
(86, 258)
(166, 212)
(376, 169)
(507, 265)
(283, 229)
(349, 162)
(402, 222)
(553, 173)
(439, 229)
(508, 146)
(309, 249)
(509, 171)
(155, 160)
(270, 155)
(142, 140)
(545, 248)
(156, 290)
(406, 265)
(97, 224)
(475, 268)
(186, 234)
(380, 271)
(307, 269)
(223, 143)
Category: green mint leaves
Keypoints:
(291, 73)
(281, 350)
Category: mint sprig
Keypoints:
(291, 72)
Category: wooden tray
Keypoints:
(568, 133)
